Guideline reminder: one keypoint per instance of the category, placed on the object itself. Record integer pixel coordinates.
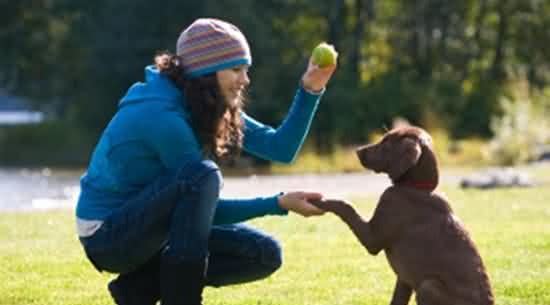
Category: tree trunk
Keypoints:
(445, 19)
(497, 69)
(477, 49)
(364, 12)
(420, 43)
(324, 127)
(336, 22)
(479, 25)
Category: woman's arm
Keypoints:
(282, 144)
(237, 210)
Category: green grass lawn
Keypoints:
(42, 262)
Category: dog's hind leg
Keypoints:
(401, 294)
(433, 292)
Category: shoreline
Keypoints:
(28, 190)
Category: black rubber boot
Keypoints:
(182, 282)
(139, 287)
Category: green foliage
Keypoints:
(39, 57)
(342, 159)
(458, 152)
(395, 94)
(51, 143)
(521, 130)
(416, 60)
(478, 108)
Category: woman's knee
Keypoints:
(211, 181)
(271, 254)
(201, 176)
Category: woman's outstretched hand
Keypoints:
(298, 202)
(315, 78)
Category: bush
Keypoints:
(52, 143)
(481, 102)
(521, 130)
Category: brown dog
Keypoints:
(425, 243)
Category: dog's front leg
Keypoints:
(359, 226)
(401, 294)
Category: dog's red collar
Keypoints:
(422, 185)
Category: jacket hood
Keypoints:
(157, 87)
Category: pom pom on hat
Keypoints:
(209, 45)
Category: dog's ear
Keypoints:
(406, 155)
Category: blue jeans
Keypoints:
(174, 216)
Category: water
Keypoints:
(37, 189)
(42, 189)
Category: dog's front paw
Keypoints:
(336, 206)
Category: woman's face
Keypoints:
(233, 82)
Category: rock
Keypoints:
(497, 178)
(544, 153)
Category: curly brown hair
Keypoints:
(217, 123)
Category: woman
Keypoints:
(149, 207)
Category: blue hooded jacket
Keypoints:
(150, 136)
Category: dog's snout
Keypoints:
(365, 156)
(361, 152)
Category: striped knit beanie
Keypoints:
(209, 45)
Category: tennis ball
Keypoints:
(324, 55)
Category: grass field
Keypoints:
(42, 262)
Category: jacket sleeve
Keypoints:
(238, 210)
(283, 143)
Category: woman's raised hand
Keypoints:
(316, 78)
(298, 202)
